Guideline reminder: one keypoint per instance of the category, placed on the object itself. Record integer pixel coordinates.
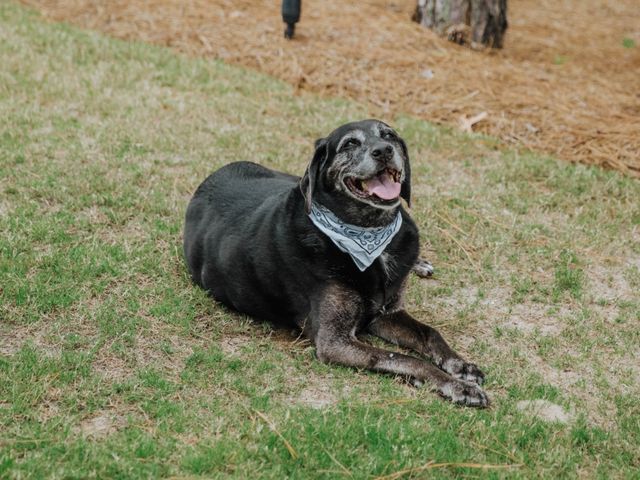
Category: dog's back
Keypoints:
(230, 224)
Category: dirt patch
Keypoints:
(14, 337)
(316, 397)
(564, 84)
(232, 344)
(609, 283)
(5, 208)
(545, 411)
(49, 406)
(101, 425)
(532, 317)
(110, 367)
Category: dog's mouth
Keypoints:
(383, 187)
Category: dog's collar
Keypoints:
(362, 244)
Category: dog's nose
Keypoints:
(382, 151)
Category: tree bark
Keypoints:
(479, 23)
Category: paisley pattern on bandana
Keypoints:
(363, 244)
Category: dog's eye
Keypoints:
(350, 143)
(388, 135)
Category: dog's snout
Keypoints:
(382, 151)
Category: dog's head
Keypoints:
(361, 170)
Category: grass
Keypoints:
(628, 43)
(113, 365)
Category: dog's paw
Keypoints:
(464, 393)
(423, 268)
(468, 372)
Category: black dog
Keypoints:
(328, 253)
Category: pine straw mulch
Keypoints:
(564, 83)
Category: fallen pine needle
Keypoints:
(344, 469)
(504, 454)
(464, 250)
(450, 222)
(466, 124)
(273, 428)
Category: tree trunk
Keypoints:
(479, 23)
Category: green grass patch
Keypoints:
(628, 42)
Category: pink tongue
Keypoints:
(383, 187)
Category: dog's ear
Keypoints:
(312, 173)
(405, 189)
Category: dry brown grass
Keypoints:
(564, 84)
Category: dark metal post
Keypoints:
(290, 16)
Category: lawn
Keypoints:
(113, 365)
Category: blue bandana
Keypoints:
(363, 244)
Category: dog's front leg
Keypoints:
(336, 316)
(423, 268)
(402, 329)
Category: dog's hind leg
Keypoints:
(336, 315)
(402, 329)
